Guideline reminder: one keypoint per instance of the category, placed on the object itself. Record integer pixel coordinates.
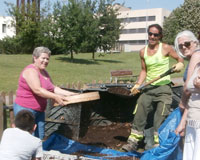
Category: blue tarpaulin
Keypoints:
(68, 146)
(168, 149)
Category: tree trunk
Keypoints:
(22, 7)
(93, 56)
(17, 3)
(38, 9)
(72, 56)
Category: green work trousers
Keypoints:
(152, 107)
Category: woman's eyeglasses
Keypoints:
(154, 34)
(186, 44)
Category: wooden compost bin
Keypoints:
(73, 120)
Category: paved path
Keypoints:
(56, 155)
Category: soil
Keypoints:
(113, 136)
(119, 91)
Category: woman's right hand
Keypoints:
(181, 106)
(180, 130)
(181, 127)
(59, 99)
(135, 89)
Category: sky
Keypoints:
(134, 4)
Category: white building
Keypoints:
(134, 36)
(6, 28)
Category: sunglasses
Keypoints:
(154, 34)
(186, 44)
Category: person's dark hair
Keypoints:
(25, 120)
(159, 29)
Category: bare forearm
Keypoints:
(142, 77)
(184, 116)
(185, 98)
(44, 93)
(181, 127)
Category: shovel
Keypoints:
(168, 72)
(126, 93)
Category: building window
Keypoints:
(128, 31)
(133, 19)
(138, 19)
(132, 31)
(3, 28)
(141, 19)
(141, 30)
(151, 18)
(133, 42)
(141, 42)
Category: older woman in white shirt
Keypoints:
(187, 46)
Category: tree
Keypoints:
(90, 30)
(100, 28)
(50, 29)
(26, 21)
(182, 18)
(109, 25)
(72, 27)
(68, 18)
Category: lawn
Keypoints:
(83, 69)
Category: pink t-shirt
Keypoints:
(25, 96)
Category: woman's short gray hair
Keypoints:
(188, 34)
(39, 50)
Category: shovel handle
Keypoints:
(168, 72)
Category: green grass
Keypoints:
(63, 71)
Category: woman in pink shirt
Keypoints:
(35, 87)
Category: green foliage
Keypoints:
(49, 30)
(72, 27)
(10, 46)
(82, 26)
(27, 26)
(90, 30)
(109, 25)
(172, 26)
(69, 22)
(182, 18)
